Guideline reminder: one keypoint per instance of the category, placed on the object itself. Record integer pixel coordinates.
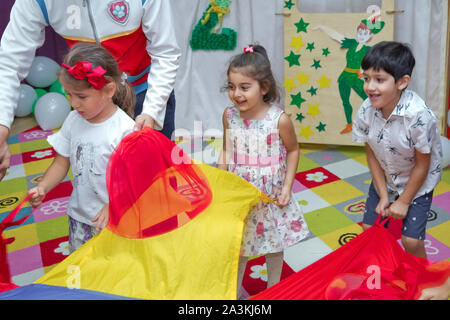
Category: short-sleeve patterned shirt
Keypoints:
(411, 126)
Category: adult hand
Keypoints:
(436, 293)
(144, 120)
(5, 155)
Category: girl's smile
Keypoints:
(382, 90)
(247, 95)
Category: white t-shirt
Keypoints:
(89, 147)
(411, 125)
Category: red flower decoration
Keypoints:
(271, 138)
(83, 70)
(296, 226)
(259, 228)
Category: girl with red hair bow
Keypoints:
(103, 102)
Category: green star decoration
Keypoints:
(310, 47)
(321, 127)
(325, 52)
(316, 64)
(312, 91)
(300, 117)
(301, 26)
(293, 58)
(297, 100)
(288, 4)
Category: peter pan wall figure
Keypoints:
(350, 78)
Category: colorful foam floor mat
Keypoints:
(331, 186)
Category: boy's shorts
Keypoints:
(415, 222)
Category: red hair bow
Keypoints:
(83, 70)
(248, 49)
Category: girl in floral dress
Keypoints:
(260, 145)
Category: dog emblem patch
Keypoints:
(119, 11)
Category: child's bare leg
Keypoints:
(241, 271)
(274, 266)
(365, 226)
(415, 247)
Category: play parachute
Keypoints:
(8, 221)
(371, 266)
(174, 231)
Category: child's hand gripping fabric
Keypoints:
(284, 198)
(383, 207)
(398, 210)
(37, 197)
(102, 218)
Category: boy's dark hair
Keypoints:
(393, 57)
(255, 64)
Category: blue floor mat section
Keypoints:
(46, 292)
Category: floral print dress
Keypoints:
(259, 156)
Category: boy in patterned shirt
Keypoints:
(402, 143)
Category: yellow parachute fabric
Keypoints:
(198, 260)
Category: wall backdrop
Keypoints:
(202, 73)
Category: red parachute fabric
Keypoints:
(169, 186)
(372, 266)
(5, 276)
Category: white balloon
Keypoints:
(26, 99)
(51, 110)
(42, 72)
(445, 151)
